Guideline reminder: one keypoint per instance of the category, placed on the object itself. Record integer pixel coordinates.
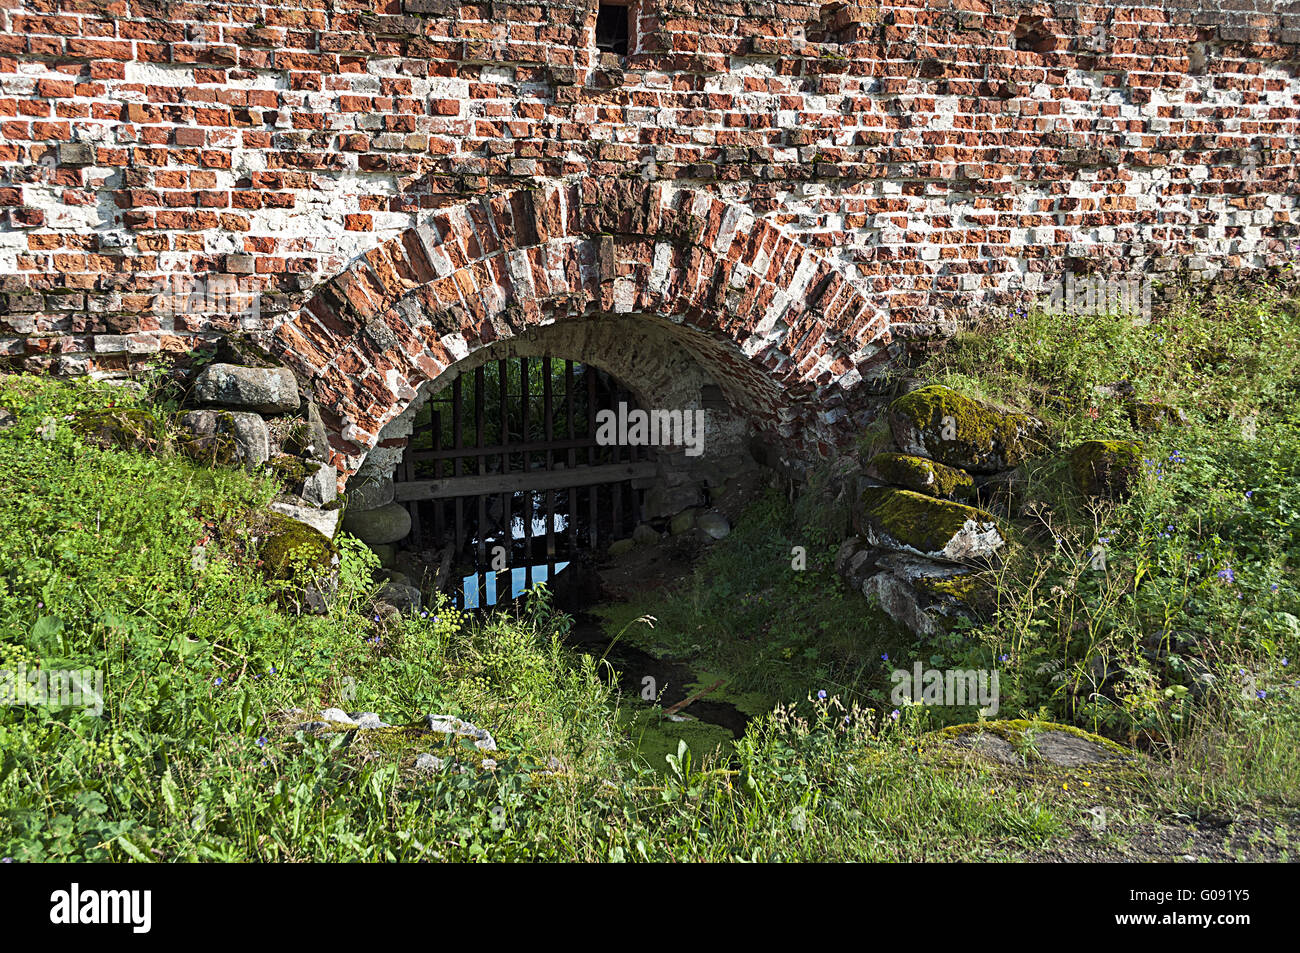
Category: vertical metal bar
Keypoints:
(548, 415)
(507, 530)
(593, 514)
(457, 437)
(528, 466)
(571, 494)
(439, 512)
(479, 468)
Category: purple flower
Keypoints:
(216, 681)
(885, 657)
(1226, 573)
(1261, 694)
(821, 694)
(894, 714)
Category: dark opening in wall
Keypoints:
(614, 28)
(1032, 36)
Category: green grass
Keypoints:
(195, 758)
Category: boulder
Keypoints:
(266, 390)
(325, 522)
(1106, 469)
(384, 524)
(370, 493)
(924, 596)
(645, 535)
(290, 548)
(910, 522)
(227, 436)
(920, 475)
(714, 524)
(322, 487)
(1153, 416)
(399, 597)
(939, 423)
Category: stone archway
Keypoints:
(781, 328)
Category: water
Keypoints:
(486, 583)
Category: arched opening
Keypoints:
(512, 471)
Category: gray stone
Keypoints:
(322, 487)
(325, 522)
(249, 431)
(451, 725)
(7, 419)
(715, 524)
(368, 719)
(662, 501)
(386, 524)
(401, 597)
(336, 715)
(319, 448)
(267, 390)
(645, 535)
(898, 584)
(428, 762)
(370, 493)
(621, 546)
(910, 522)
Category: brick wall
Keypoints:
(918, 158)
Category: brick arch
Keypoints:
(780, 324)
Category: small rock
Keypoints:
(400, 597)
(451, 725)
(645, 535)
(715, 524)
(267, 390)
(7, 418)
(322, 487)
(228, 436)
(428, 762)
(370, 493)
(621, 546)
(368, 719)
(336, 715)
(386, 524)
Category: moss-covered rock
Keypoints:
(293, 472)
(1153, 416)
(939, 423)
(912, 522)
(921, 475)
(224, 437)
(121, 428)
(292, 550)
(1106, 469)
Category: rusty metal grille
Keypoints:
(506, 456)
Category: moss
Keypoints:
(1020, 731)
(292, 471)
(970, 590)
(297, 439)
(655, 737)
(920, 475)
(1105, 468)
(913, 519)
(121, 428)
(959, 431)
(290, 547)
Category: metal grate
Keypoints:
(503, 466)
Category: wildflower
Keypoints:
(217, 680)
(885, 657)
(261, 742)
(894, 714)
(1249, 494)
(1003, 657)
(1273, 588)
(1226, 573)
(821, 695)
(1285, 663)
(1261, 694)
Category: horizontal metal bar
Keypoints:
(518, 480)
(535, 447)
